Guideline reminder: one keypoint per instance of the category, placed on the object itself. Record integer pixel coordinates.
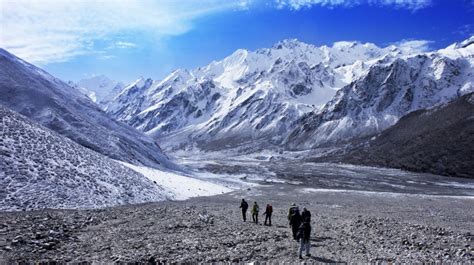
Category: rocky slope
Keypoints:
(42, 169)
(438, 140)
(248, 97)
(385, 93)
(347, 228)
(54, 104)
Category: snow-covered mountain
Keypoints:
(386, 92)
(40, 168)
(36, 94)
(248, 96)
(100, 89)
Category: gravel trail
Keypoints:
(348, 226)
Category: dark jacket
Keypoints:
(295, 219)
(244, 205)
(269, 210)
(306, 215)
(304, 231)
(293, 210)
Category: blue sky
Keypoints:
(130, 38)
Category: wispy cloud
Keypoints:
(466, 30)
(44, 31)
(406, 4)
(414, 45)
(124, 45)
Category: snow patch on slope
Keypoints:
(179, 187)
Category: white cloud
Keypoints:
(44, 31)
(124, 45)
(414, 45)
(407, 4)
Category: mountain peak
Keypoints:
(467, 42)
(345, 44)
(287, 43)
(139, 82)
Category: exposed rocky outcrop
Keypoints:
(438, 140)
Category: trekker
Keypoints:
(304, 234)
(244, 206)
(306, 214)
(295, 219)
(268, 214)
(255, 210)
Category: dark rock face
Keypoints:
(34, 93)
(300, 89)
(439, 141)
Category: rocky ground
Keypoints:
(351, 226)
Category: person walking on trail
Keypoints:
(294, 218)
(268, 214)
(255, 211)
(244, 206)
(306, 214)
(304, 234)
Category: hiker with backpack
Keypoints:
(268, 215)
(255, 211)
(306, 214)
(304, 234)
(244, 206)
(294, 219)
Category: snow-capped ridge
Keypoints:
(262, 94)
(389, 90)
(467, 42)
(289, 44)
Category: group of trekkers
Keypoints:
(300, 223)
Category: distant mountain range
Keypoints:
(387, 91)
(351, 96)
(293, 95)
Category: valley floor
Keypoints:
(349, 225)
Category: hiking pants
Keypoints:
(255, 217)
(269, 218)
(244, 214)
(304, 245)
(294, 229)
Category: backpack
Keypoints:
(295, 218)
(255, 208)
